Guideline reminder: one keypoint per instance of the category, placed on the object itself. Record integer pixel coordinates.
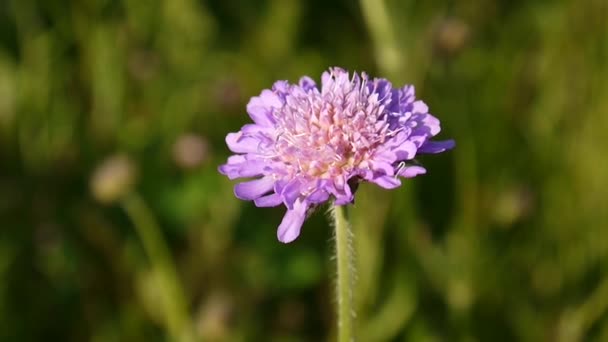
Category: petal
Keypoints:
(399, 148)
(270, 99)
(279, 185)
(289, 229)
(271, 200)
(412, 171)
(341, 191)
(385, 155)
(409, 91)
(419, 140)
(232, 161)
(431, 123)
(240, 143)
(316, 192)
(405, 151)
(253, 189)
(344, 199)
(307, 83)
(281, 88)
(420, 107)
(387, 182)
(383, 167)
(291, 192)
(260, 108)
(318, 196)
(238, 166)
(437, 146)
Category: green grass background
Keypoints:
(505, 238)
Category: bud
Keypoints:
(451, 35)
(190, 151)
(113, 179)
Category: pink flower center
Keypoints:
(330, 134)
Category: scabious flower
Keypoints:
(309, 145)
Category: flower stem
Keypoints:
(173, 297)
(345, 270)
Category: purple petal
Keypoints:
(289, 229)
(383, 167)
(240, 143)
(291, 192)
(387, 182)
(238, 166)
(412, 171)
(307, 83)
(385, 155)
(406, 151)
(316, 191)
(419, 139)
(344, 199)
(260, 108)
(279, 185)
(409, 91)
(253, 189)
(280, 87)
(341, 191)
(271, 200)
(420, 107)
(437, 146)
(431, 123)
(318, 196)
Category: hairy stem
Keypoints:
(345, 274)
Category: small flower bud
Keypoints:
(190, 151)
(113, 179)
(450, 36)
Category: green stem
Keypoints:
(173, 297)
(345, 269)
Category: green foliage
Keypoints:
(504, 239)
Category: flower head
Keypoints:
(308, 145)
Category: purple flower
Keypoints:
(308, 145)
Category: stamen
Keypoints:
(400, 168)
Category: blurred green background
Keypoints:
(116, 226)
